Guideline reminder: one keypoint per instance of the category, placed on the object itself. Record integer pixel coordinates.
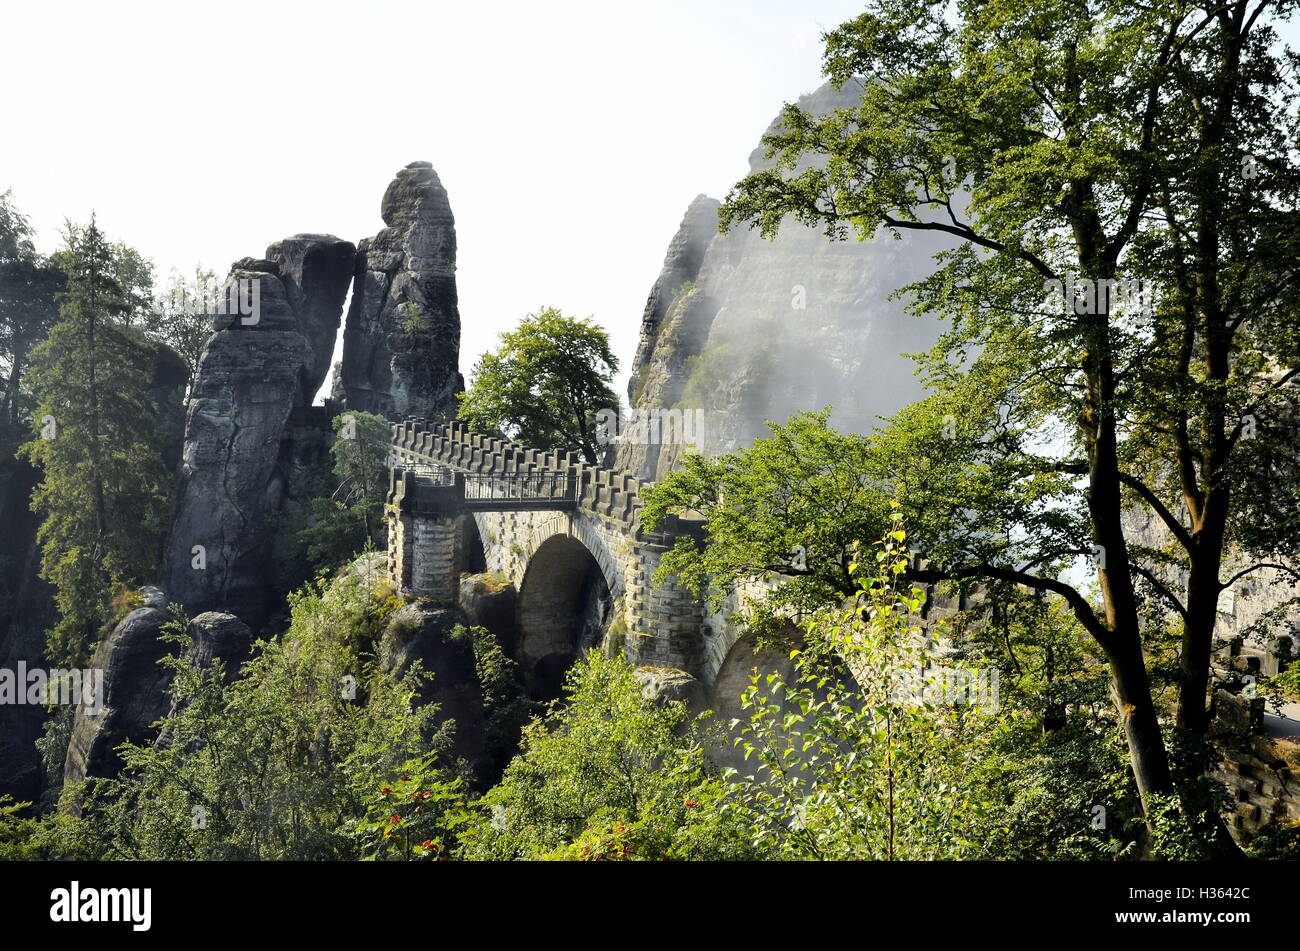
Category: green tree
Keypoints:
(852, 758)
(295, 759)
(104, 485)
(338, 527)
(182, 315)
(611, 774)
(29, 284)
(794, 506)
(545, 384)
(1064, 147)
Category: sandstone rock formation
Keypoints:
(748, 330)
(490, 601)
(135, 692)
(244, 438)
(668, 684)
(167, 390)
(135, 685)
(681, 267)
(401, 343)
(427, 633)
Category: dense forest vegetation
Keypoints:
(1106, 448)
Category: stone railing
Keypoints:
(598, 490)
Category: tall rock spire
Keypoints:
(401, 341)
(740, 330)
(243, 448)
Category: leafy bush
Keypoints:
(282, 763)
(611, 762)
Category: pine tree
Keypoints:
(103, 489)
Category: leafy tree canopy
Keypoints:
(1120, 186)
(545, 384)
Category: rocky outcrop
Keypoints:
(218, 636)
(167, 384)
(670, 685)
(244, 440)
(401, 343)
(748, 330)
(681, 268)
(134, 692)
(316, 272)
(437, 638)
(489, 601)
(135, 685)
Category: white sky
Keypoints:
(569, 135)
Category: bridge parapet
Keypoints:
(516, 502)
(610, 494)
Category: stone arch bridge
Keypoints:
(565, 533)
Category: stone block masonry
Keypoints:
(543, 551)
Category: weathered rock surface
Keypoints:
(681, 267)
(135, 685)
(758, 329)
(423, 632)
(401, 342)
(670, 684)
(167, 390)
(134, 692)
(219, 636)
(244, 444)
(316, 271)
(489, 602)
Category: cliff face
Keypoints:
(245, 444)
(401, 343)
(748, 330)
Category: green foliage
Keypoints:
(416, 816)
(1278, 840)
(96, 439)
(1056, 143)
(18, 832)
(1062, 782)
(412, 321)
(335, 529)
(182, 315)
(1286, 684)
(795, 504)
(545, 384)
(360, 454)
(609, 762)
(847, 761)
(29, 284)
(506, 706)
(284, 762)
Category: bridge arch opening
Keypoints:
(471, 556)
(767, 655)
(563, 611)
